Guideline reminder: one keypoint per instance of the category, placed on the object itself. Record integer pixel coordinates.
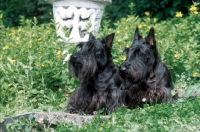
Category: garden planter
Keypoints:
(78, 18)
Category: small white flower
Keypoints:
(94, 112)
(144, 100)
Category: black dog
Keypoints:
(94, 67)
(145, 78)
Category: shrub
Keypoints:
(32, 73)
(14, 10)
(159, 9)
(117, 10)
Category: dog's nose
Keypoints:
(122, 68)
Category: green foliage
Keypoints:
(14, 10)
(179, 116)
(32, 73)
(117, 10)
(27, 125)
(161, 9)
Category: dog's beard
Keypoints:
(83, 71)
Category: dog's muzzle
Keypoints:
(124, 72)
(76, 61)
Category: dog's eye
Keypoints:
(137, 52)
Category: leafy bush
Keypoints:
(14, 10)
(161, 9)
(32, 73)
(117, 10)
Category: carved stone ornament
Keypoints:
(76, 18)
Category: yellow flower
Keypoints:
(147, 13)
(118, 31)
(196, 12)
(139, 26)
(154, 20)
(194, 74)
(124, 58)
(176, 55)
(33, 35)
(149, 27)
(38, 64)
(128, 19)
(1, 16)
(20, 29)
(56, 28)
(193, 8)
(179, 14)
(5, 47)
(50, 13)
(0, 58)
(17, 38)
(12, 61)
(39, 39)
(119, 40)
(12, 31)
(48, 31)
(59, 54)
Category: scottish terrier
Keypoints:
(94, 68)
(145, 77)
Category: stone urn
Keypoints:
(75, 19)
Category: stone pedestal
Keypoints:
(78, 18)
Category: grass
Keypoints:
(181, 116)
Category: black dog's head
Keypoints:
(141, 58)
(91, 57)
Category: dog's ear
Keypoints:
(107, 40)
(137, 35)
(151, 37)
(91, 37)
